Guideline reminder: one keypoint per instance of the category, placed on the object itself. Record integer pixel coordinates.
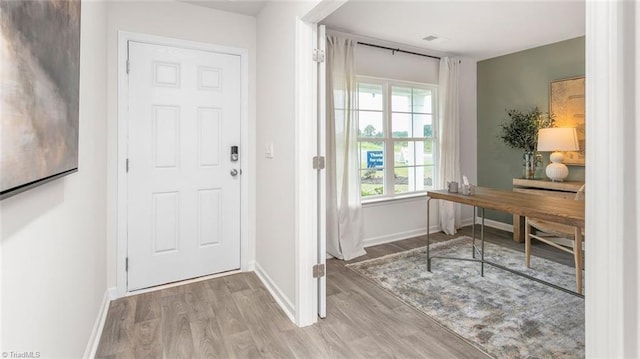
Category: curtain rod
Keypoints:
(397, 50)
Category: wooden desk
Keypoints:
(559, 210)
(554, 209)
(544, 187)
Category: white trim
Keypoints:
(611, 210)
(113, 293)
(398, 236)
(251, 266)
(94, 339)
(495, 224)
(434, 245)
(245, 157)
(321, 175)
(383, 201)
(375, 80)
(276, 292)
(306, 222)
(388, 140)
(323, 9)
(121, 186)
(466, 221)
(1, 287)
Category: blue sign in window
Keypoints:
(375, 159)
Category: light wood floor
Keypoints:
(235, 317)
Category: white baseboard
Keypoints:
(251, 266)
(374, 241)
(466, 221)
(276, 293)
(94, 340)
(392, 237)
(495, 224)
(113, 293)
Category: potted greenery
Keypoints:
(521, 131)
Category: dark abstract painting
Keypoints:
(39, 90)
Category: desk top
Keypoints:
(559, 210)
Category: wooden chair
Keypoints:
(563, 237)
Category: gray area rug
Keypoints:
(504, 315)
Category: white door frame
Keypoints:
(612, 313)
(607, 332)
(305, 196)
(306, 204)
(321, 174)
(123, 96)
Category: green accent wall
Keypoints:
(521, 81)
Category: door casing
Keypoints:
(307, 206)
(122, 136)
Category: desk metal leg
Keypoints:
(473, 233)
(488, 262)
(428, 236)
(482, 241)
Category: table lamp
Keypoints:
(556, 139)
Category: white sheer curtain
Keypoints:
(344, 211)
(449, 137)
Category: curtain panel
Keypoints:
(449, 136)
(344, 210)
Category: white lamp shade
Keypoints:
(558, 139)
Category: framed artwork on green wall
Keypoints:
(566, 103)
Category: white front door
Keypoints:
(183, 195)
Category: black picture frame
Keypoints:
(40, 89)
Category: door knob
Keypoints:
(234, 172)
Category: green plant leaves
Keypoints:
(521, 130)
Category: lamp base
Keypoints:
(556, 170)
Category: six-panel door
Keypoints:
(183, 201)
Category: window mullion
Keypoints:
(389, 145)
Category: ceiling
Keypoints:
(245, 7)
(477, 29)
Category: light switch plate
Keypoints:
(268, 150)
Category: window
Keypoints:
(396, 138)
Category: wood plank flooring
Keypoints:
(235, 317)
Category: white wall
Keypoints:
(382, 63)
(398, 219)
(275, 124)
(53, 237)
(187, 22)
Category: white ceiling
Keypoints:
(477, 29)
(245, 7)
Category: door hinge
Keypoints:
(126, 264)
(318, 55)
(127, 165)
(318, 162)
(128, 66)
(318, 271)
